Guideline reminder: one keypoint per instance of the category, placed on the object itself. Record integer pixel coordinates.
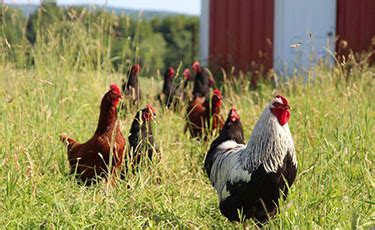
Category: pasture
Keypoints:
(55, 86)
(332, 123)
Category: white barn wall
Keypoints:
(311, 23)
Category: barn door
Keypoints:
(304, 34)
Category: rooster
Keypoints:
(92, 158)
(201, 80)
(201, 112)
(140, 138)
(131, 88)
(250, 179)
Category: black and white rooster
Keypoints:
(249, 179)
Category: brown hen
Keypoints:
(203, 115)
(92, 159)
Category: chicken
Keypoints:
(141, 139)
(201, 80)
(93, 158)
(182, 95)
(211, 81)
(250, 179)
(168, 93)
(232, 130)
(131, 88)
(203, 115)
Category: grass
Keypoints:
(332, 123)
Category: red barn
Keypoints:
(283, 34)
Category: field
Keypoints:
(332, 124)
(55, 86)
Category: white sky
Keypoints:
(182, 6)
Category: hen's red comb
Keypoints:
(186, 73)
(171, 71)
(233, 114)
(217, 92)
(136, 67)
(196, 64)
(149, 106)
(211, 81)
(115, 88)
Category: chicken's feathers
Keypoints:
(269, 143)
(268, 146)
(67, 140)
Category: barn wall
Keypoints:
(304, 32)
(241, 34)
(355, 25)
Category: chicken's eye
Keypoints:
(277, 104)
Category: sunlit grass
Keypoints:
(332, 124)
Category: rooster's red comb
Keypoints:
(283, 99)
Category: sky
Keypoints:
(181, 6)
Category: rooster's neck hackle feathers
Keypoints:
(269, 143)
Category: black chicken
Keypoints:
(201, 81)
(141, 139)
(131, 88)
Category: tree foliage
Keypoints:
(97, 38)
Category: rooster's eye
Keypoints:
(276, 104)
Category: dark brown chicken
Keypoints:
(166, 98)
(201, 80)
(183, 91)
(94, 157)
(131, 88)
(203, 115)
(141, 139)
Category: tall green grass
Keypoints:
(332, 124)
